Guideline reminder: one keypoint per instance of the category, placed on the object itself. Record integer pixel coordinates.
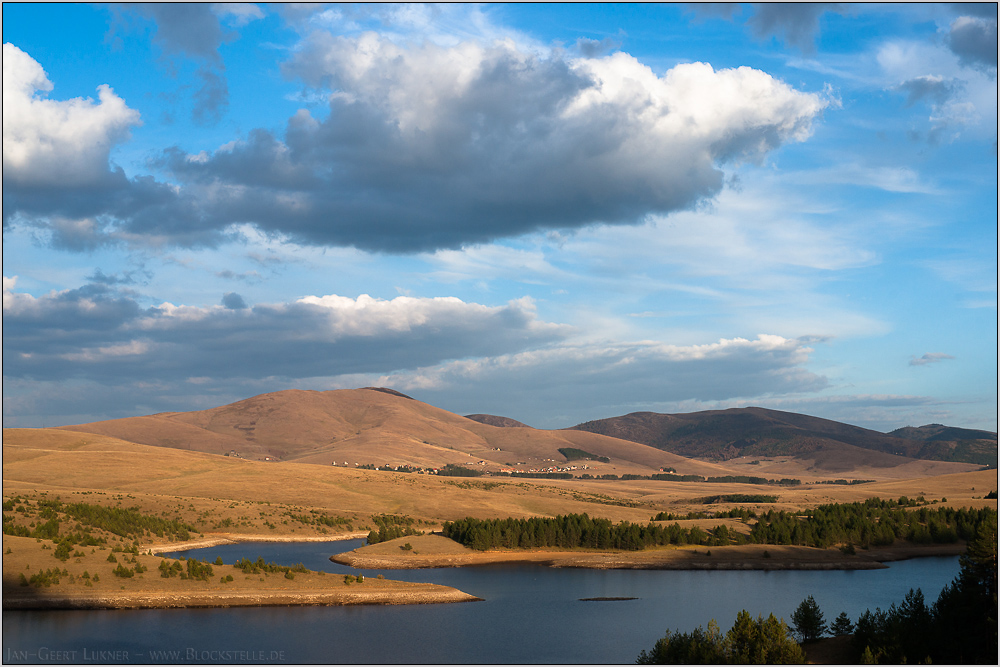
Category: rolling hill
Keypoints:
(722, 435)
(379, 427)
(374, 426)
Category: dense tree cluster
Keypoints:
(168, 570)
(875, 522)
(742, 513)
(579, 530)
(535, 475)
(740, 498)
(760, 641)
(260, 567)
(391, 526)
(872, 523)
(452, 470)
(574, 454)
(723, 479)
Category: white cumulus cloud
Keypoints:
(64, 142)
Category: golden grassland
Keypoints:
(206, 489)
(226, 499)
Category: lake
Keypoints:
(530, 614)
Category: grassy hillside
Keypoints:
(728, 434)
(223, 494)
(366, 426)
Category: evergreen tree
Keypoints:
(699, 647)
(751, 641)
(965, 614)
(808, 620)
(842, 625)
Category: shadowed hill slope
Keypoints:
(727, 434)
(494, 420)
(947, 443)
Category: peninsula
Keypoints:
(116, 578)
(426, 551)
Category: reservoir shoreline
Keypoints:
(435, 551)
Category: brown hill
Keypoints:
(947, 443)
(378, 427)
(374, 426)
(721, 435)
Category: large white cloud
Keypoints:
(430, 146)
(64, 142)
(425, 147)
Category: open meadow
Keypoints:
(224, 495)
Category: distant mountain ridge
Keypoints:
(378, 426)
(726, 434)
(942, 432)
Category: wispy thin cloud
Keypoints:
(929, 358)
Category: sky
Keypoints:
(550, 212)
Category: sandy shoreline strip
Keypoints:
(416, 594)
(231, 538)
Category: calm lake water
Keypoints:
(531, 614)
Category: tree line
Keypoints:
(577, 530)
(875, 522)
(872, 523)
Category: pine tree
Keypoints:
(808, 620)
(842, 625)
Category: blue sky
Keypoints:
(554, 213)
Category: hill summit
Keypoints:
(381, 427)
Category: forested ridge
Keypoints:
(875, 522)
